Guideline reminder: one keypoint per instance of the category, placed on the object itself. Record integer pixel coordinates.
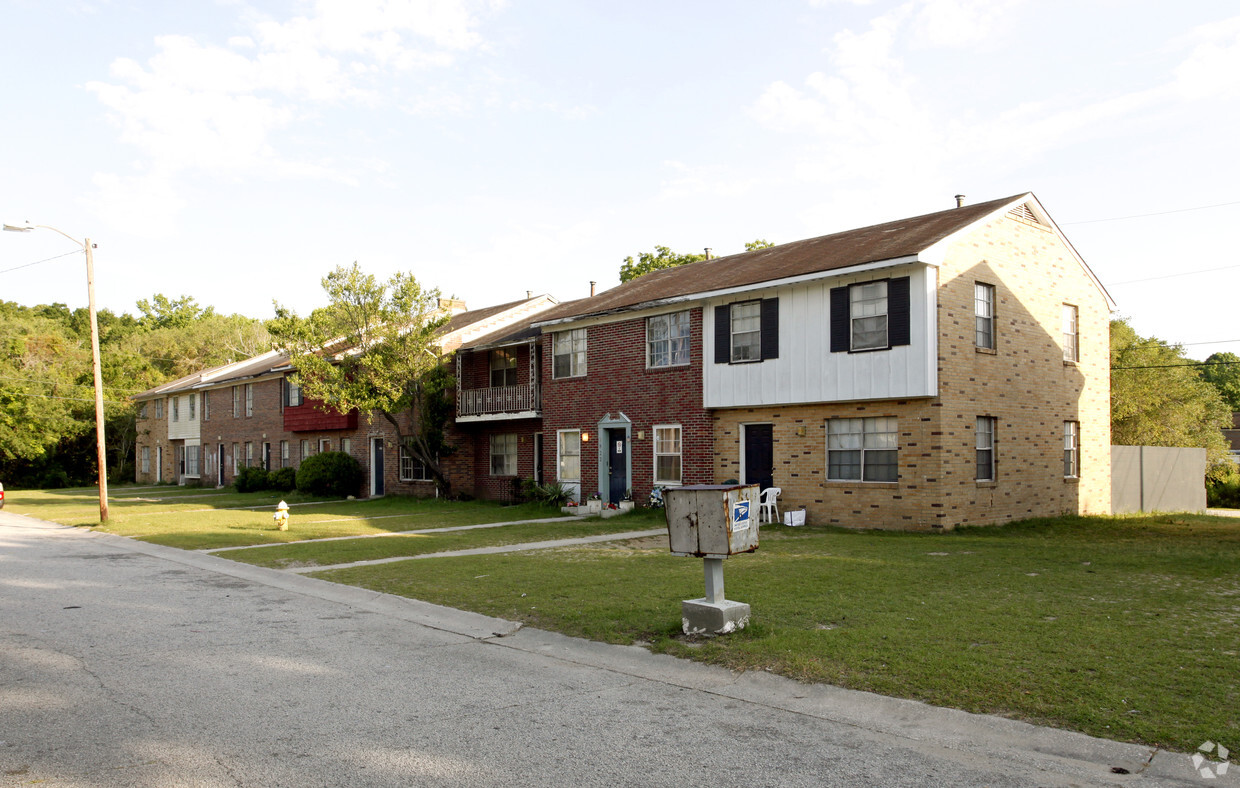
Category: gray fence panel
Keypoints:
(1157, 479)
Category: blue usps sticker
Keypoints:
(740, 515)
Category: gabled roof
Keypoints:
(518, 332)
(890, 241)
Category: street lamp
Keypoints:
(87, 246)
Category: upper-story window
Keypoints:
(159, 408)
(249, 399)
(569, 353)
(1071, 334)
(193, 402)
(176, 408)
(747, 331)
(206, 406)
(870, 315)
(142, 410)
(984, 315)
(503, 368)
(292, 393)
(236, 402)
(667, 340)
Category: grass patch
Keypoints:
(322, 553)
(1125, 628)
(198, 519)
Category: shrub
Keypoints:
(549, 494)
(331, 473)
(1223, 489)
(283, 479)
(251, 479)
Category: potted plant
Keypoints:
(626, 503)
(595, 504)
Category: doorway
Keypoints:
(617, 464)
(376, 467)
(538, 458)
(758, 461)
(219, 469)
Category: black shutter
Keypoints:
(770, 328)
(840, 320)
(723, 334)
(898, 311)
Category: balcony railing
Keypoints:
(498, 400)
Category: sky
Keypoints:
(237, 151)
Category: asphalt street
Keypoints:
(128, 664)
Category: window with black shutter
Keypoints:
(870, 316)
(747, 331)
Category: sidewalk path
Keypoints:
(124, 663)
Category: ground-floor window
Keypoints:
(236, 458)
(411, 468)
(985, 448)
(249, 454)
(305, 450)
(191, 460)
(325, 444)
(569, 456)
(503, 455)
(283, 454)
(862, 450)
(146, 459)
(667, 466)
(346, 445)
(1071, 449)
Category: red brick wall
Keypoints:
(617, 381)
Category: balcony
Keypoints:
(498, 402)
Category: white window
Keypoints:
(868, 313)
(292, 393)
(249, 399)
(249, 454)
(667, 340)
(346, 445)
(411, 468)
(985, 448)
(159, 408)
(984, 315)
(325, 444)
(236, 455)
(1071, 335)
(206, 406)
(1071, 449)
(503, 455)
(283, 454)
(747, 331)
(191, 460)
(176, 408)
(862, 450)
(503, 368)
(142, 410)
(192, 404)
(569, 353)
(146, 459)
(667, 465)
(305, 449)
(236, 402)
(569, 454)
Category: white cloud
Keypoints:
(1212, 69)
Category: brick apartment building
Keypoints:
(936, 371)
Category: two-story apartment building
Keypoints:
(930, 372)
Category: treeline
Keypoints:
(47, 415)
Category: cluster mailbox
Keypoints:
(712, 522)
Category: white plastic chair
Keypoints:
(769, 512)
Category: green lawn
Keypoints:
(1119, 627)
(1125, 627)
(198, 519)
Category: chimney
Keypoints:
(959, 200)
(452, 306)
(529, 294)
(707, 250)
(592, 284)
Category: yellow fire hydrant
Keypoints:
(281, 516)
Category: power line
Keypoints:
(54, 383)
(1173, 276)
(40, 262)
(67, 399)
(1173, 346)
(1158, 213)
(1192, 364)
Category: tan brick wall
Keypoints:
(1024, 384)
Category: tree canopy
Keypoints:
(1222, 370)
(662, 257)
(374, 348)
(1158, 398)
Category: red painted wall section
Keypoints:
(312, 416)
(617, 381)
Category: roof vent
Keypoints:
(959, 200)
(1023, 213)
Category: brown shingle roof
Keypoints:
(887, 241)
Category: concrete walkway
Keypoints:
(124, 663)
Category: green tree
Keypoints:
(1159, 399)
(1222, 371)
(374, 349)
(162, 312)
(662, 257)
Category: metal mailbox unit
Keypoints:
(712, 522)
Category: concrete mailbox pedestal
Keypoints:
(712, 522)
